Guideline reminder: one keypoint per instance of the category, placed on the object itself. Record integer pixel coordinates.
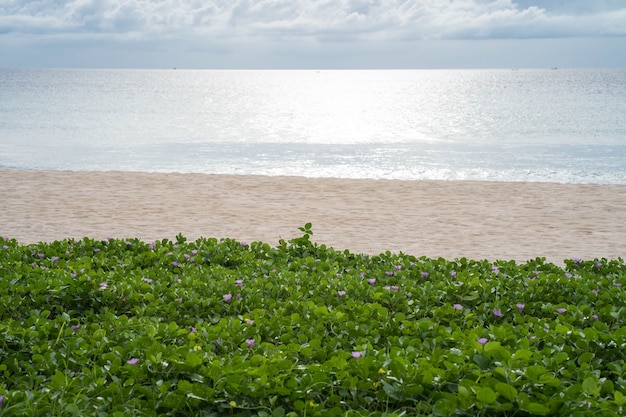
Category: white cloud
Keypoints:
(324, 19)
(244, 33)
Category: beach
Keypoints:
(450, 219)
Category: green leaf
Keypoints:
(536, 409)
(486, 395)
(278, 412)
(193, 359)
(619, 398)
(590, 386)
(58, 380)
(507, 391)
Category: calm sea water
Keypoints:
(501, 125)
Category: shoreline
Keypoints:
(450, 219)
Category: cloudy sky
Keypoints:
(313, 33)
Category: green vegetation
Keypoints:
(213, 328)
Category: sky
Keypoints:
(318, 34)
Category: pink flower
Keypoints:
(341, 293)
(520, 307)
(175, 264)
(239, 282)
(371, 281)
(193, 329)
(453, 274)
(483, 340)
(458, 307)
(250, 343)
(132, 361)
(227, 297)
(356, 354)
(497, 313)
(561, 310)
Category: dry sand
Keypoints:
(450, 219)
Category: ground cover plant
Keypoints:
(220, 327)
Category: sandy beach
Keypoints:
(450, 219)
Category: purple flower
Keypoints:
(371, 281)
(424, 274)
(41, 255)
(453, 274)
(341, 293)
(598, 265)
(595, 317)
(103, 285)
(153, 245)
(250, 343)
(356, 354)
(175, 264)
(1, 400)
(520, 307)
(55, 259)
(577, 260)
(194, 252)
(397, 267)
(75, 327)
(249, 322)
(458, 307)
(595, 291)
(497, 312)
(617, 284)
(186, 256)
(495, 270)
(227, 297)
(147, 280)
(96, 250)
(239, 282)
(193, 329)
(389, 273)
(180, 300)
(561, 310)
(132, 361)
(244, 244)
(483, 340)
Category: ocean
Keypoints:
(541, 125)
